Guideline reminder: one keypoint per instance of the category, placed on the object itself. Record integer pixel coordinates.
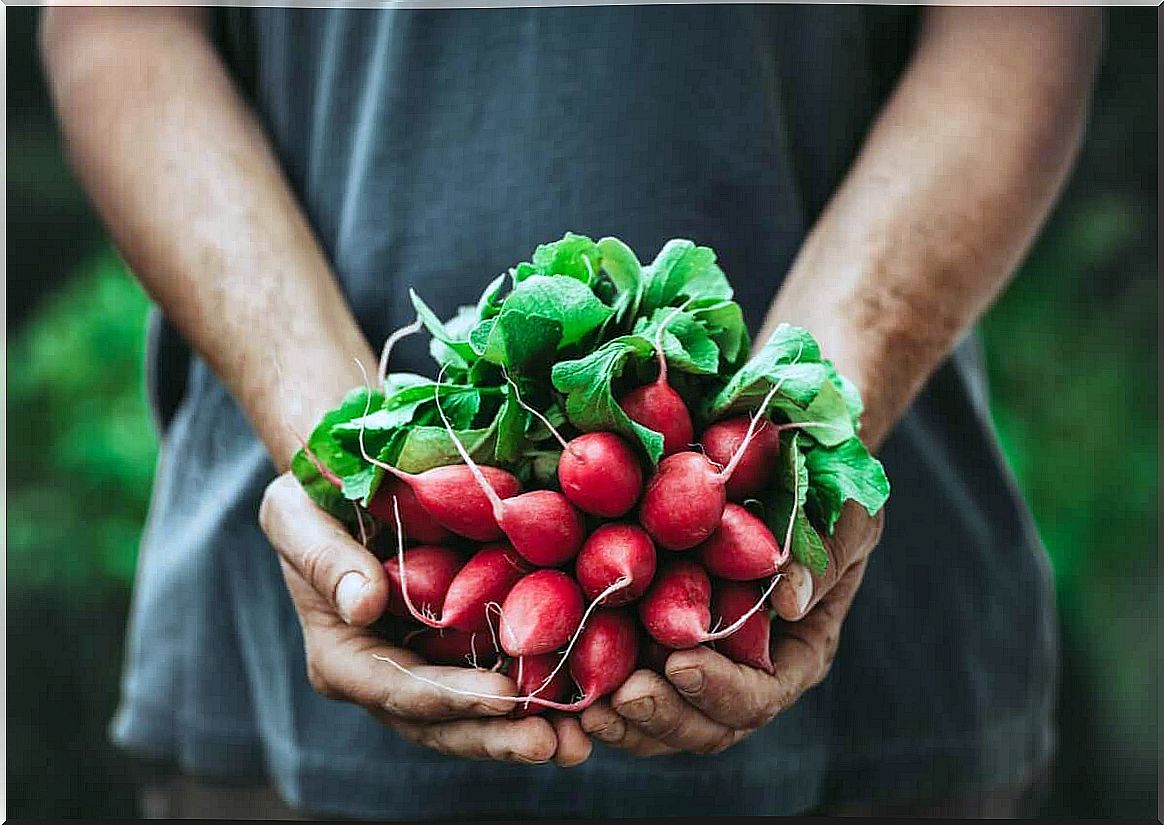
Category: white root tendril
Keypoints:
(390, 342)
(662, 379)
(619, 584)
(486, 487)
(553, 431)
(716, 635)
(472, 694)
(416, 614)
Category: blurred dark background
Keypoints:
(1073, 362)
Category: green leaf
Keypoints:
(542, 315)
(790, 357)
(575, 256)
(587, 383)
(792, 486)
(459, 346)
(428, 447)
(724, 322)
(332, 454)
(621, 264)
(489, 304)
(682, 269)
(511, 426)
(686, 344)
(848, 391)
(838, 474)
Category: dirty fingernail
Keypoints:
(688, 680)
(639, 710)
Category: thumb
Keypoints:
(341, 571)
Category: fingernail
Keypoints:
(688, 680)
(639, 710)
(348, 592)
(803, 592)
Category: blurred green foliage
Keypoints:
(81, 445)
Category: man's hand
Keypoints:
(339, 588)
(708, 703)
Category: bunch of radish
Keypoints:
(599, 473)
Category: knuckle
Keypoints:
(313, 564)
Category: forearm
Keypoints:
(946, 196)
(185, 180)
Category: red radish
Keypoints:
(603, 658)
(599, 472)
(749, 644)
(720, 442)
(657, 406)
(486, 578)
(742, 548)
(540, 614)
(541, 525)
(453, 647)
(419, 525)
(431, 569)
(677, 609)
(614, 552)
(540, 676)
(448, 494)
(684, 500)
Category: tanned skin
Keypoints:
(953, 182)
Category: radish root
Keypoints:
(390, 342)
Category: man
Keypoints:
(277, 210)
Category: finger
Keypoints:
(650, 704)
(347, 668)
(314, 544)
(528, 741)
(803, 651)
(731, 694)
(799, 590)
(574, 745)
(601, 722)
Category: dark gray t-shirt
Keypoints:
(434, 149)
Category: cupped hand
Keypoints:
(339, 589)
(706, 703)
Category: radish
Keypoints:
(539, 676)
(540, 614)
(721, 440)
(541, 525)
(431, 569)
(452, 647)
(484, 579)
(602, 660)
(749, 644)
(684, 500)
(448, 494)
(419, 525)
(657, 406)
(742, 548)
(614, 552)
(599, 472)
(676, 611)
